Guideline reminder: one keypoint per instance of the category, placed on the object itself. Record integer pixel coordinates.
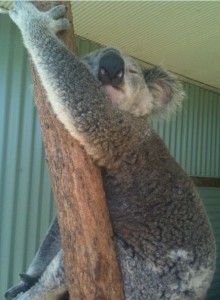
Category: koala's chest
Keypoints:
(126, 194)
(134, 191)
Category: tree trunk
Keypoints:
(90, 261)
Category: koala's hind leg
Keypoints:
(51, 285)
(49, 248)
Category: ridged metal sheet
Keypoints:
(211, 200)
(25, 203)
(193, 134)
(6, 4)
(184, 35)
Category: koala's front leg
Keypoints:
(74, 93)
(63, 75)
(39, 35)
(33, 23)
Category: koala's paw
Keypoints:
(22, 287)
(56, 16)
(29, 19)
(22, 12)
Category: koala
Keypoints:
(164, 242)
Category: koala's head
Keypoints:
(132, 88)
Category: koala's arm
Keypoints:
(51, 245)
(73, 92)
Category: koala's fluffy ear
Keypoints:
(166, 90)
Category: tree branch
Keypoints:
(90, 260)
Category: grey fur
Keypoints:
(164, 241)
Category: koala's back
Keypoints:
(164, 241)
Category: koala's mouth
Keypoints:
(115, 93)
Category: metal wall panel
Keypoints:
(25, 203)
(193, 134)
(26, 206)
(211, 200)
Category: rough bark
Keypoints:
(90, 260)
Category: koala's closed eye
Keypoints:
(132, 71)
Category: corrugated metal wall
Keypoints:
(26, 206)
(211, 200)
(193, 134)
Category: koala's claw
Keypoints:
(57, 13)
(61, 24)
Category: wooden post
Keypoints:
(90, 260)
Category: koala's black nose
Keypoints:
(111, 68)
